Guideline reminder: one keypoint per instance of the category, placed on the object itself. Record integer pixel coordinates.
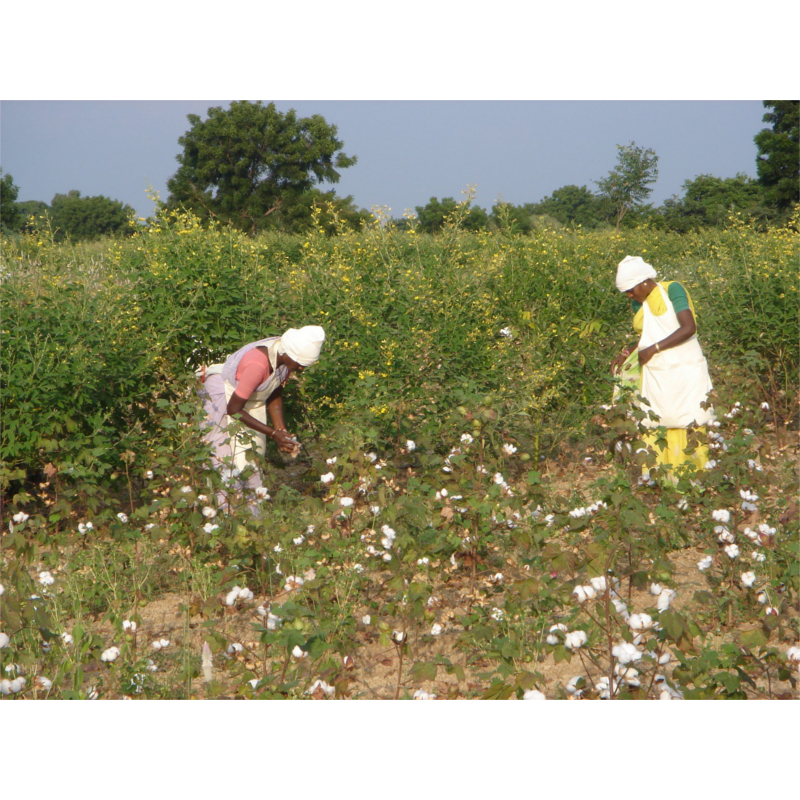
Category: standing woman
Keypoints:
(667, 365)
(247, 386)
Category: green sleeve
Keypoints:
(677, 294)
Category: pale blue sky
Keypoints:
(408, 151)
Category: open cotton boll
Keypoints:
(575, 640)
(328, 477)
(4, 640)
(731, 550)
(129, 625)
(640, 622)
(209, 512)
(721, 515)
(46, 579)
(655, 589)
(625, 653)
(234, 647)
(421, 694)
(298, 652)
(705, 563)
(321, 686)
(411, 445)
(533, 694)
(44, 683)
(664, 599)
(748, 579)
(793, 654)
(598, 584)
(346, 502)
(110, 655)
(436, 629)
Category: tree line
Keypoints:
(258, 169)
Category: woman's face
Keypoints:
(292, 364)
(640, 292)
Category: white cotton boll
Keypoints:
(598, 584)
(625, 653)
(580, 594)
(149, 474)
(4, 640)
(655, 589)
(747, 579)
(232, 596)
(234, 647)
(664, 695)
(5, 686)
(245, 594)
(766, 530)
(122, 517)
(209, 512)
(44, 683)
(621, 607)
(186, 489)
(328, 477)
(273, 621)
(731, 550)
(110, 655)
(210, 527)
(533, 694)
(590, 592)
(665, 658)
(765, 406)
(129, 625)
(298, 652)
(387, 557)
(411, 445)
(552, 639)
(436, 629)
(499, 479)
(423, 561)
(771, 611)
(421, 694)
(759, 557)
(509, 449)
(366, 619)
(664, 599)
(298, 540)
(506, 332)
(705, 563)
(17, 685)
(67, 638)
(2, 590)
(726, 537)
(498, 577)
(721, 515)
(320, 685)
(497, 614)
(746, 506)
(371, 457)
(762, 597)
(793, 654)
(575, 640)
(625, 672)
(262, 493)
(683, 504)
(746, 494)
(46, 579)
(398, 637)
(277, 549)
(20, 517)
(293, 583)
(640, 622)
(358, 568)
(330, 461)
(346, 502)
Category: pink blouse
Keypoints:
(253, 370)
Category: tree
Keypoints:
(10, 215)
(778, 160)
(79, 217)
(708, 201)
(511, 218)
(571, 205)
(434, 214)
(627, 186)
(243, 164)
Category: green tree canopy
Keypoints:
(10, 215)
(571, 205)
(628, 184)
(79, 217)
(434, 214)
(244, 164)
(508, 217)
(778, 160)
(708, 201)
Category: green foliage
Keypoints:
(81, 218)
(572, 205)
(712, 202)
(435, 215)
(249, 163)
(10, 213)
(778, 160)
(628, 184)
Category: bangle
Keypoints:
(658, 349)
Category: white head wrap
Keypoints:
(632, 270)
(303, 345)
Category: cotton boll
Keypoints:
(598, 584)
(533, 694)
(411, 445)
(4, 640)
(640, 622)
(44, 683)
(731, 550)
(721, 515)
(234, 647)
(664, 599)
(320, 686)
(705, 563)
(793, 654)
(748, 579)
(398, 637)
(209, 512)
(655, 589)
(46, 579)
(129, 625)
(346, 502)
(328, 477)
(625, 653)
(298, 652)
(436, 629)
(366, 619)
(762, 597)
(572, 686)
(575, 640)
(421, 694)
(110, 655)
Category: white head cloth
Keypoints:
(303, 345)
(632, 270)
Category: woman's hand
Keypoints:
(646, 354)
(619, 361)
(285, 440)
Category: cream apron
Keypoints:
(674, 381)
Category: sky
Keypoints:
(408, 150)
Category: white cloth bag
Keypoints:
(674, 381)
